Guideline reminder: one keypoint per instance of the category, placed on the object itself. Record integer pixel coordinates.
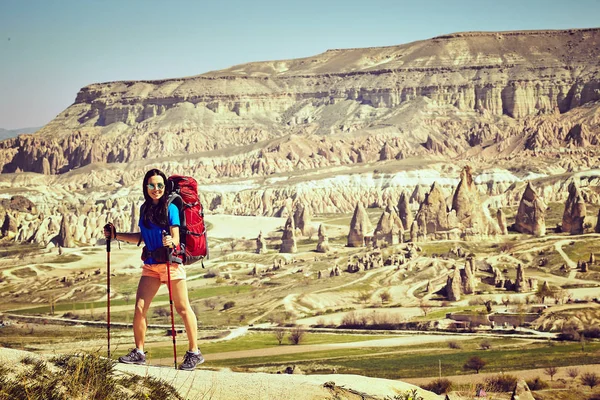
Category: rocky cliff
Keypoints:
(467, 92)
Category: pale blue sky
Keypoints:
(49, 49)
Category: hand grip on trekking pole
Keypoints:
(173, 333)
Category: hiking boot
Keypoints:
(190, 360)
(134, 357)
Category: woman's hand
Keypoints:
(110, 232)
(168, 241)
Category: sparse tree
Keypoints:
(364, 296)
(572, 372)
(232, 244)
(590, 379)
(475, 363)
(297, 334)
(425, 307)
(485, 345)
(279, 335)
(385, 296)
(551, 371)
(127, 297)
(210, 303)
(544, 291)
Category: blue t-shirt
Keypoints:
(152, 236)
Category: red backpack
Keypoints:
(183, 192)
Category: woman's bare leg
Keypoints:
(184, 309)
(146, 291)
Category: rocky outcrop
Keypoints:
(404, 211)
(389, 229)
(530, 217)
(338, 91)
(323, 244)
(302, 219)
(575, 210)
(522, 391)
(453, 285)
(360, 227)
(288, 239)
(261, 244)
(502, 224)
(521, 284)
(9, 227)
(469, 282)
(65, 237)
(466, 203)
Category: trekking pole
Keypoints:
(173, 333)
(108, 293)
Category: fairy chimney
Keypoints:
(574, 214)
(288, 239)
(404, 211)
(520, 282)
(467, 204)
(323, 245)
(261, 244)
(433, 211)
(389, 228)
(453, 285)
(135, 218)
(302, 218)
(360, 226)
(501, 218)
(530, 217)
(65, 237)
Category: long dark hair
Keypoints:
(155, 213)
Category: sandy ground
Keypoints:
(238, 226)
(227, 385)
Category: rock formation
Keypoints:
(261, 244)
(522, 391)
(530, 217)
(323, 244)
(9, 227)
(65, 237)
(467, 205)
(389, 228)
(453, 285)
(404, 211)
(288, 239)
(597, 228)
(468, 277)
(575, 210)
(360, 227)
(521, 285)
(502, 225)
(302, 219)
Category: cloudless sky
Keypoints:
(49, 49)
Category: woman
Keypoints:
(156, 218)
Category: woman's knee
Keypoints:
(183, 309)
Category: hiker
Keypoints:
(159, 228)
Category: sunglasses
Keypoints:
(158, 186)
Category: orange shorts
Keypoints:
(159, 271)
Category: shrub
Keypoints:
(537, 384)
(485, 345)
(162, 312)
(474, 363)
(590, 379)
(439, 386)
(228, 305)
(572, 372)
(501, 383)
(297, 335)
(592, 333)
(453, 344)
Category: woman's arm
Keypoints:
(172, 240)
(129, 237)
